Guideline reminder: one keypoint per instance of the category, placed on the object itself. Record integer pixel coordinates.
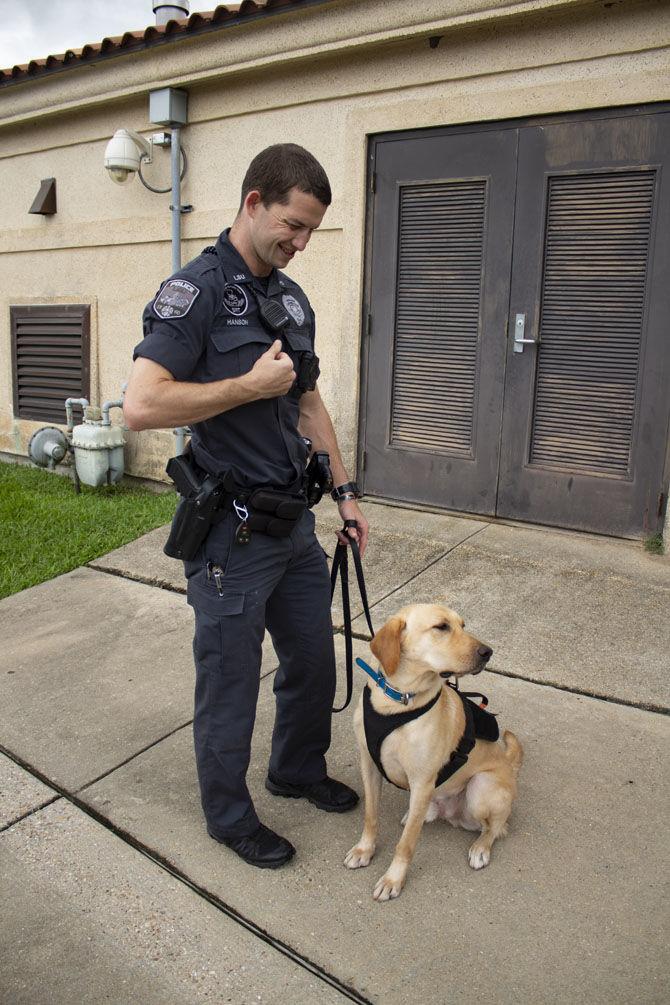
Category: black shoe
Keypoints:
(328, 794)
(263, 848)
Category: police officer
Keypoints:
(211, 360)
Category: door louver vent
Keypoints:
(51, 359)
(592, 312)
(440, 254)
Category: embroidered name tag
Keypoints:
(175, 299)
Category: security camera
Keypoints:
(124, 154)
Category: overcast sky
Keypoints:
(33, 29)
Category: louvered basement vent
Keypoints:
(50, 355)
(437, 315)
(592, 312)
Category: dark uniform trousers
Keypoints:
(281, 584)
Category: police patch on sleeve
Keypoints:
(175, 299)
(294, 308)
(235, 299)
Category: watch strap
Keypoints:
(346, 491)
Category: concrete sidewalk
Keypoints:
(115, 893)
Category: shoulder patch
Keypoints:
(175, 299)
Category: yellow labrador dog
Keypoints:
(417, 648)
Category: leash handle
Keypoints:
(358, 564)
(341, 565)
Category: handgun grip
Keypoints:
(184, 477)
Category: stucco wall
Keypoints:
(344, 72)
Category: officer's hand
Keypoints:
(273, 374)
(350, 510)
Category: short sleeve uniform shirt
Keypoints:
(203, 325)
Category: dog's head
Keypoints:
(429, 638)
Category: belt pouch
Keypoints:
(278, 504)
(274, 513)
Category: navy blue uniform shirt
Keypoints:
(203, 325)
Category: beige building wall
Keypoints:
(327, 78)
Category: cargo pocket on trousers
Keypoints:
(205, 597)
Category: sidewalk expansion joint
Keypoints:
(402, 585)
(163, 863)
(644, 706)
(138, 753)
(159, 584)
(30, 812)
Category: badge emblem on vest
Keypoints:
(294, 308)
(235, 300)
(175, 299)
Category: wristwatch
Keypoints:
(345, 493)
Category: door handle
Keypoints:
(519, 330)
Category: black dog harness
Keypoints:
(479, 725)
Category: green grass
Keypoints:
(47, 529)
(654, 544)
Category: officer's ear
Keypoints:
(252, 201)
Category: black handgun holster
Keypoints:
(202, 495)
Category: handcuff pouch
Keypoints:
(273, 513)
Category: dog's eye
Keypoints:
(446, 627)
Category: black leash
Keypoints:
(341, 565)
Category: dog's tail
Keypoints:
(513, 751)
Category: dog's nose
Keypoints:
(485, 653)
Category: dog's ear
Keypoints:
(386, 645)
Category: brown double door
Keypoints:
(555, 233)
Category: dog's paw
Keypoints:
(388, 888)
(358, 858)
(478, 856)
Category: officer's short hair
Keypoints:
(279, 168)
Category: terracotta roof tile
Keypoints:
(134, 41)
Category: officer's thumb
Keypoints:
(275, 349)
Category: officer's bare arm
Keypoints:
(155, 400)
(315, 422)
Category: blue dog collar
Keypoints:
(380, 680)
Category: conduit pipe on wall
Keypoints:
(176, 198)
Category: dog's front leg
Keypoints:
(361, 854)
(393, 880)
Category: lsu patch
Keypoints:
(235, 299)
(294, 308)
(175, 299)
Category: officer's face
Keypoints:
(280, 230)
